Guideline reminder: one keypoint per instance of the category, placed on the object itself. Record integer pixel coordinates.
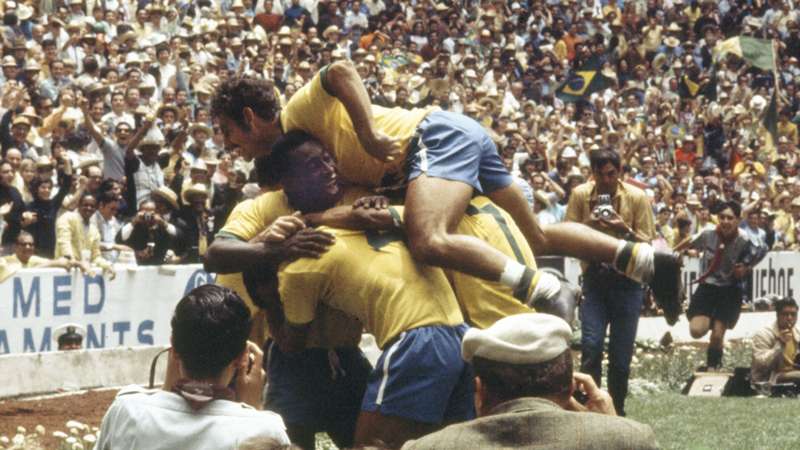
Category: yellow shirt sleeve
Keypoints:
(251, 217)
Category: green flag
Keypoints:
(757, 52)
(581, 84)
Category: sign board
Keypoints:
(133, 309)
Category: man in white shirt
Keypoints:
(196, 409)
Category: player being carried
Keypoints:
(442, 159)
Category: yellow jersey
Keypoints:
(332, 328)
(372, 276)
(314, 110)
(485, 302)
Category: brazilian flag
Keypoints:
(581, 84)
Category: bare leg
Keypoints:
(699, 326)
(563, 239)
(433, 208)
(373, 428)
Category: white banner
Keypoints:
(134, 309)
(777, 274)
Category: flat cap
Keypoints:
(529, 338)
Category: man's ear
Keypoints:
(249, 116)
(480, 396)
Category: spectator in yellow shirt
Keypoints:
(78, 239)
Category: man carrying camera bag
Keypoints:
(611, 298)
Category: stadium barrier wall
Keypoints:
(135, 309)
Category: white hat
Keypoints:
(569, 152)
(529, 338)
(68, 328)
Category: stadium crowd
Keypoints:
(112, 154)
(105, 108)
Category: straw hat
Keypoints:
(197, 189)
(166, 194)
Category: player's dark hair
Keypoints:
(785, 302)
(510, 381)
(237, 93)
(210, 327)
(601, 157)
(270, 169)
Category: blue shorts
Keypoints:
(454, 147)
(305, 391)
(422, 377)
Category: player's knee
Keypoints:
(430, 249)
(697, 331)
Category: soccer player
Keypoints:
(311, 184)
(443, 157)
(320, 389)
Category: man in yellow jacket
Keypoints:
(78, 239)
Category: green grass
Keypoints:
(695, 423)
(728, 423)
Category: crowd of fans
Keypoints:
(109, 151)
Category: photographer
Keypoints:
(149, 235)
(727, 256)
(211, 396)
(524, 394)
(775, 347)
(610, 299)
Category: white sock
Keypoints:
(641, 265)
(547, 287)
(512, 274)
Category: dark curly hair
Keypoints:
(210, 327)
(237, 93)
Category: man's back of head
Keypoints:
(209, 330)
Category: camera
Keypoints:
(603, 209)
(148, 217)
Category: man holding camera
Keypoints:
(775, 347)
(610, 298)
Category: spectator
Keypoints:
(525, 386)
(44, 210)
(14, 217)
(210, 352)
(143, 173)
(775, 347)
(113, 150)
(24, 258)
(69, 337)
(78, 239)
(196, 217)
(107, 224)
(149, 235)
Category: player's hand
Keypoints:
(306, 243)
(372, 202)
(250, 376)
(282, 228)
(382, 147)
(599, 400)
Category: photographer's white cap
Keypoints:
(529, 338)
